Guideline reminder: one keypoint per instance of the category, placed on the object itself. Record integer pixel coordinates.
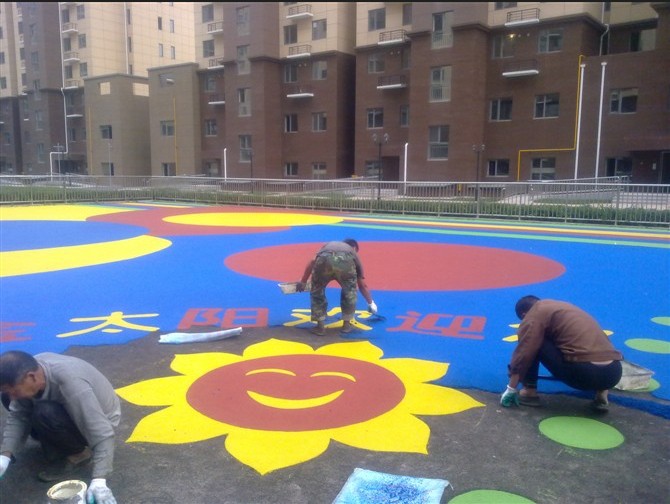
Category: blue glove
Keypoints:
(509, 397)
(99, 493)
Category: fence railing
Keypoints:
(603, 201)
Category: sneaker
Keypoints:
(600, 405)
(532, 401)
(63, 469)
(346, 327)
(319, 329)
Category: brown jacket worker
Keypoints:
(339, 261)
(69, 406)
(569, 343)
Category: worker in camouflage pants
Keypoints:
(339, 261)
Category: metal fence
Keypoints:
(603, 201)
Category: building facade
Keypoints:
(417, 91)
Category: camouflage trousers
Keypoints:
(338, 266)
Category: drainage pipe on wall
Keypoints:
(603, 64)
(579, 116)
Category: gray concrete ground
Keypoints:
(490, 448)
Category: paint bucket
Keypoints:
(633, 376)
(292, 287)
(68, 492)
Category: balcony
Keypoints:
(74, 112)
(72, 84)
(392, 37)
(303, 11)
(216, 99)
(522, 17)
(392, 82)
(216, 27)
(215, 63)
(300, 91)
(300, 51)
(69, 28)
(70, 57)
(520, 68)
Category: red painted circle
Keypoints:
(409, 266)
(296, 392)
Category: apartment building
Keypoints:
(417, 91)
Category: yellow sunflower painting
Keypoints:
(282, 402)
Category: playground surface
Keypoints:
(405, 408)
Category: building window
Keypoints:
(498, 168)
(406, 14)
(319, 29)
(319, 121)
(291, 169)
(376, 19)
(173, 52)
(81, 41)
(171, 25)
(68, 72)
(160, 23)
(169, 169)
(167, 128)
(83, 69)
(81, 11)
(319, 170)
(290, 123)
(244, 102)
(623, 101)
(207, 13)
(290, 34)
(405, 58)
(67, 45)
(440, 84)
(504, 5)
(442, 35)
(643, 40)
(319, 70)
(375, 117)
(543, 169)
(372, 168)
(242, 16)
(503, 45)
(376, 63)
(211, 128)
(546, 106)
(72, 134)
(551, 40)
(619, 167)
(404, 116)
(160, 50)
(3, 82)
(106, 132)
(210, 83)
(39, 120)
(243, 66)
(290, 72)
(207, 48)
(246, 152)
(438, 142)
(501, 109)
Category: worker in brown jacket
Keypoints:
(569, 343)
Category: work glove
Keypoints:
(99, 493)
(300, 287)
(4, 464)
(509, 397)
(372, 308)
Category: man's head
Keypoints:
(524, 304)
(352, 243)
(21, 377)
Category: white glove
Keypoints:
(4, 464)
(99, 493)
(509, 397)
(372, 308)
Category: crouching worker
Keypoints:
(69, 407)
(569, 343)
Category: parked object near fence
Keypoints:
(609, 200)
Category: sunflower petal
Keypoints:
(360, 350)
(392, 432)
(176, 425)
(274, 347)
(416, 370)
(266, 451)
(199, 364)
(156, 392)
(429, 399)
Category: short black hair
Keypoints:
(14, 365)
(351, 242)
(524, 304)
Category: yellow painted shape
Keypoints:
(24, 262)
(397, 430)
(56, 212)
(512, 338)
(252, 219)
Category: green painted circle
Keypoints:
(479, 496)
(661, 320)
(580, 432)
(653, 385)
(649, 345)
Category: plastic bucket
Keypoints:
(68, 492)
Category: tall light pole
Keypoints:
(479, 148)
(379, 140)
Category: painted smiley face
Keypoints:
(296, 392)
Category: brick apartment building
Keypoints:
(434, 91)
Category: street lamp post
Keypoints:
(478, 150)
(379, 140)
